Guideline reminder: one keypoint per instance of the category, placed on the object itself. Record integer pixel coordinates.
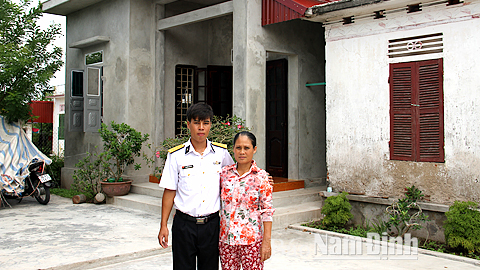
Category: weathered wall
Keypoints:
(128, 70)
(301, 43)
(357, 105)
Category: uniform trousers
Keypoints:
(247, 257)
(195, 244)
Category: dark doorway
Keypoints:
(277, 118)
(219, 89)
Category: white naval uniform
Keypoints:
(195, 178)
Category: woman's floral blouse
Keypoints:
(246, 203)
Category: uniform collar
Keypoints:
(190, 149)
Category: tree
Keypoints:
(28, 60)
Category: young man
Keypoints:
(192, 184)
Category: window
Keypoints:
(416, 111)
(184, 82)
(212, 85)
(77, 83)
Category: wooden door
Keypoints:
(277, 118)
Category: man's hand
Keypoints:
(163, 237)
(266, 249)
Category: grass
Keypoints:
(66, 193)
(361, 231)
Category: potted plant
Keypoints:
(121, 144)
(152, 161)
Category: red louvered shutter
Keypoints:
(416, 111)
(401, 113)
(430, 112)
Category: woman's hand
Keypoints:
(266, 249)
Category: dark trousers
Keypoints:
(194, 244)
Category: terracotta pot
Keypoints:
(153, 179)
(116, 188)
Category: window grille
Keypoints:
(184, 85)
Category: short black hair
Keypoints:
(199, 111)
(250, 135)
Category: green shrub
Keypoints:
(405, 214)
(462, 226)
(54, 169)
(86, 179)
(336, 210)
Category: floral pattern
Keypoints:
(246, 203)
(236, 257)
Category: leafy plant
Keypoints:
(27, 58)
(54, 169)
(86, 179)
(121, 145)
(405, 214)
(378, 226)
(462, 226)
(336, 210)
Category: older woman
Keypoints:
(246, 214)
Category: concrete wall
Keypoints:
(357, 105)
(200, 44)
(302, 44)
(128, 70)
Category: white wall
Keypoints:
(357, 105)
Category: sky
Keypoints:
(44, 22)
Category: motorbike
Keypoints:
(37, 183)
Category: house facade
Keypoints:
(399, 108)
(402, 97)
(144, 62)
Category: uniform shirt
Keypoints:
(196, 178)
(246, 203)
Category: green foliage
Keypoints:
(462, 226)
(66, 193)
(27, 58)
(405, 214)
(86, 179)
(336, 210)
(54, 169)
(121, 145)
(223, 130)
(378, 226)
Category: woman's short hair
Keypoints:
(199, 111)
(248, 134)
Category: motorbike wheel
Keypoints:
(42, 195)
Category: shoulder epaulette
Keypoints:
(176, 148)
(220, 145)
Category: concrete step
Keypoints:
(147, 188)
(293, 206)
(297, 196)
(142, 202)
(298, 213)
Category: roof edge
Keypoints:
(339, 5)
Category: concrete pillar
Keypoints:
(158, 110)
(249, 64)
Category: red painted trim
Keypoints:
(274, 11)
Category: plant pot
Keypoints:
(116, 188)
(153, 179)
